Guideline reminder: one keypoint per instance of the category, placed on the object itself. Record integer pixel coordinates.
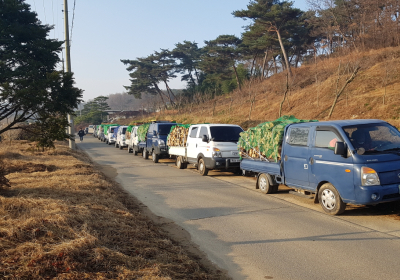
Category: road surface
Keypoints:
(256, 236)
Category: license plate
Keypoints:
(235, 160)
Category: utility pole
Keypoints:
(71, 130)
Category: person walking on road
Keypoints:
(81, 133)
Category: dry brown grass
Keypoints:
(62, 219)
(312, 92)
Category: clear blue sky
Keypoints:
(104, 32)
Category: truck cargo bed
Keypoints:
(177, 151)
(272, 168)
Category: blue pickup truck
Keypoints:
(156, 140)
(340, 162)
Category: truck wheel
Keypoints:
(116, 145)
(106, 142)
(202, 167)
(130, 150)
(263, 184)
(145, 154)
(330, 200)
(135, 152)
(179, 163)
(155, 157)
(120, 147)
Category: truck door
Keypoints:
(328, 167)
(202, 146)
(296, 154)
(192, 143)
(150, 136)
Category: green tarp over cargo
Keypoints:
(142, 131)
(264, 140)
(129, 128)
(128, 132)
(106, 126)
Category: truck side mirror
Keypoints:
(204, 138)
(341, 149)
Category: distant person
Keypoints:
(81, 133)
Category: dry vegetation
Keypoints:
(62, 219)
(374, 93)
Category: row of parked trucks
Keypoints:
(336, 162)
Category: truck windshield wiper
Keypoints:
(392, 149)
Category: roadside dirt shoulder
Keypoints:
(66, 218)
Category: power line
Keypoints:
(45, 20)
(54, 26)
(73, 17)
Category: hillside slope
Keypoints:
(374, 93)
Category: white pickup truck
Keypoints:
(133, 141)
(109, 135)
(209, 146)
(121, 142)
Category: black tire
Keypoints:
(135, 152)
(145, 154)
(155, 157)
(202, 167)
(106, 142)
(115, 145)
(120, 147)
(330, 200)
(264, 185)
(130, 150)
(179, 163)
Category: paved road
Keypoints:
(256, 236)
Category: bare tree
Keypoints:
(348, 81)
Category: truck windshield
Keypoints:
(124, 130)
(374, 138)
(164, 129)
(225, 133)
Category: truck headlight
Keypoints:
(216, 152)
(369, 177)
(161, 142)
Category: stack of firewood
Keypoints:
(178, 136)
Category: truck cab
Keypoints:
(110, 137)
(213, 146)
(120, 141)
(133, 141)
(156, 140)
(91, 128)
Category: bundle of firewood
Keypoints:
(178, 136)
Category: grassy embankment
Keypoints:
(311, 93)
(64, 219)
